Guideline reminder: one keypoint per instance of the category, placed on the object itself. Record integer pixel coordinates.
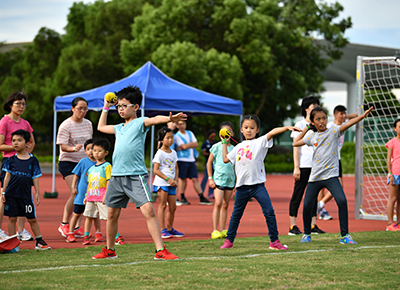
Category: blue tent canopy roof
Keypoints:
(161, 93)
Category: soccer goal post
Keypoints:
(378, 85)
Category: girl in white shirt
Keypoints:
(248, 159)
(166, 181)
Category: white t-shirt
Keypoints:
(189, 137)
(248, 159)
(341, 140)
(167, 163)
(305, 152)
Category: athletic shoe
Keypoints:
(347, 239)
(98, 238)
(120, 241)
(393, 227)
(184, 201)
(79, 233)
(227, 244)
(71, 238)
(3, 235)
(86, 240)
(176, 234)
(25, 236)
(164, 254)
(305, 239)
(216, 235)
(42, 245)
(294, 230)
(205, 201)
(224, 233)
(105, 254)
(315, 230)
(277, 246)
(324, 215)
(64, 230)
(178, 203)
(165, 234)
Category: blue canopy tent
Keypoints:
(161, 95)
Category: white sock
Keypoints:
(321, 204)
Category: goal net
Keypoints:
(378, 85)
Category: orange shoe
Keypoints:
(106, 254)
(86, 240)
(393, 227)
(71, 238)
(98, 237)
(120, 241)
(79, 233)
(64, 230)
(164, 254)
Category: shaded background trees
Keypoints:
(264, 53)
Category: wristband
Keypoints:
(3, 193)
(389, 174)
(308, 126)
(166, 179)
(73, 149)
(224, 141)
(210, 177)
(106, 108)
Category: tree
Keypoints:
(279, 60)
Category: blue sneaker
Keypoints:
(175, 233)
(305, 239)
(165, 234)
(347, 239)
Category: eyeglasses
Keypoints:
(20, 104)
(123, 107)
(81, 109)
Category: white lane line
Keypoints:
(199, 258)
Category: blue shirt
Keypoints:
(22, 173)
(128, 156)
(81, 170)
(224, 173)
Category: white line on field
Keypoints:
(197, 258)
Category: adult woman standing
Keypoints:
(15, 106)
(72, 134)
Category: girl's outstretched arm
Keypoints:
(280, 130)
(354, 121)
(298, 141)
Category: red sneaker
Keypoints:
(64, 230)
(120, 241)
(98, 238)
(164, 254)
(71, 238)
(106, 254)
(79, 233)
(86, 240)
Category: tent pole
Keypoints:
(54, 152)
(151, 156)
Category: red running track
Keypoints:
(194, 220)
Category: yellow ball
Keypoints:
(111, 97)
(224, 133)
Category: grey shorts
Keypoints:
(121, 189)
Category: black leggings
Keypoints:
(298, 193)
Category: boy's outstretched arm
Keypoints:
(102, 125)
(298, 141)
(280, 130)
(148, 122)
(353, 121)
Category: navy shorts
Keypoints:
(187, 170)
(66, 167)
(79, 208)
(19, 207)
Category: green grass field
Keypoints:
(374, 263)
